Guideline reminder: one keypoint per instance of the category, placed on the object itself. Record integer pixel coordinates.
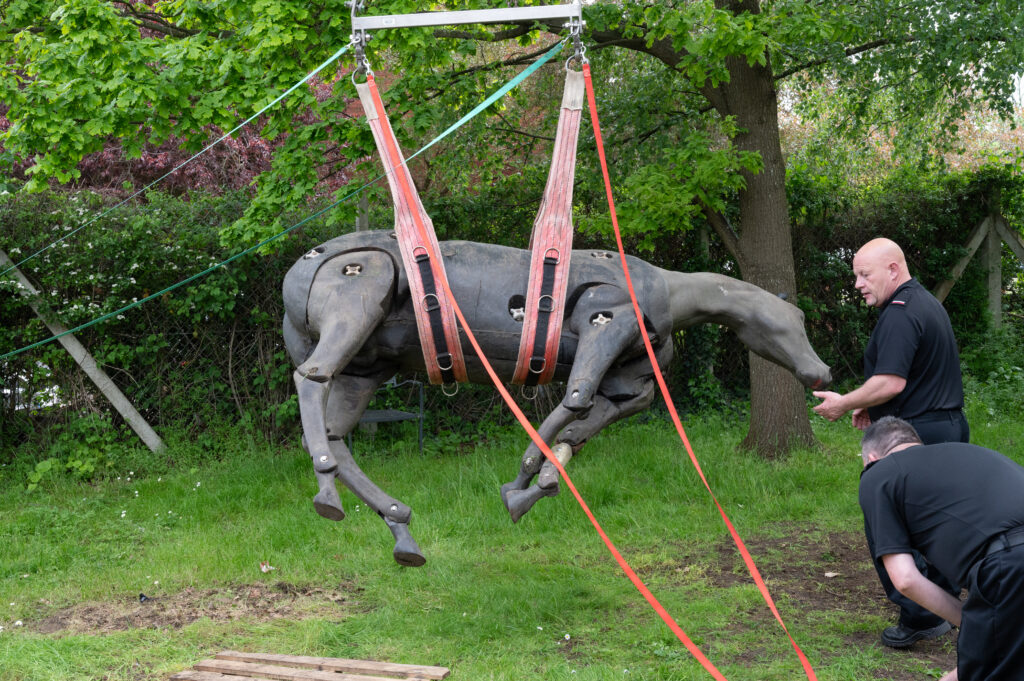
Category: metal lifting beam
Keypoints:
(506, 15)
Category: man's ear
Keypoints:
(871, 457)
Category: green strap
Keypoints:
(498, 94)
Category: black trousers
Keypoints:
(942, 426)
(991, 643)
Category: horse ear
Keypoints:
(783, 295)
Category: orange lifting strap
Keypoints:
(551, 246)
(435, 320)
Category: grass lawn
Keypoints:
(496, 600)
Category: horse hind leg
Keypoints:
(347, 301)
(346, 403)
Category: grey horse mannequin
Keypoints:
(349, 326)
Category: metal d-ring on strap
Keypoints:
(551, 243)
(421, 254)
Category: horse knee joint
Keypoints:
(324, 463)
(312, 373)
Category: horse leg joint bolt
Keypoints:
(325, 464)
(396, 513)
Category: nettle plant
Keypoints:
(84, 449)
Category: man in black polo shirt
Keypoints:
(962, 507)
(911, 370)
(911, 363)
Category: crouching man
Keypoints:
(962, 507)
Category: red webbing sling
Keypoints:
(551, 246)
(761, 586)
(432, 302)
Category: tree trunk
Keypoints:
(763, 249)
(778, 404)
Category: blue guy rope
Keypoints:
(223, 137)
(495, 96)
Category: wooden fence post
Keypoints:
(88, 363)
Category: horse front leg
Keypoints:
(606, 329)
(513, 494)
(625, 390)
(604, 322)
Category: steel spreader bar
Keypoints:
(505, 15)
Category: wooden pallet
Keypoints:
(233, 666)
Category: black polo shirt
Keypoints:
(914, 339)
(946, 501)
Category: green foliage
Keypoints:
(929, 212)
(906, 75)
(666, 197)
(83, 448)
(995, 369)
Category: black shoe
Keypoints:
(901, 636)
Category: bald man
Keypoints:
(911, 371)
(911, 363)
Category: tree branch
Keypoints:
(498, 36)
(725, 232)
(524, 134)
(850, 51)
(153, 21)
(514, 61)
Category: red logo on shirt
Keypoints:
(898, 302)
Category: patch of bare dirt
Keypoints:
(257, 602)
(829, 573)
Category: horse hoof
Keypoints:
(328, 504)
(407, 551)
(505, 489)
(518, 502)
(407, 558)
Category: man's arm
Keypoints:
(878, 389)
(909, 581)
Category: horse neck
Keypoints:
(697, 297)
